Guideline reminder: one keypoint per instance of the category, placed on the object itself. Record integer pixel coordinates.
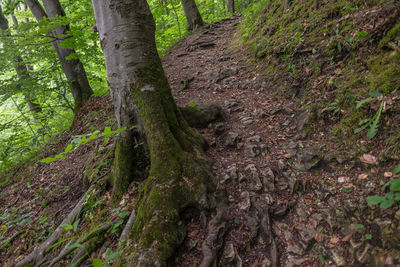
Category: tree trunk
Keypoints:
(22, 71)
(231, 6)
(179, 176)
(73, 68)
(192, 14)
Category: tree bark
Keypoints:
(179, 176)
(192, 14)
(73, 68)
(231, 6)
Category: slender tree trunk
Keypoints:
(192, 14)
(179, 176)
(73, 68)
(22, 71)
(231, 6)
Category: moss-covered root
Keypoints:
(173, 186)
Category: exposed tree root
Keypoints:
(127, 229)
(36, 256)
(266, 232)
(215, 237)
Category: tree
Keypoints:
(73, 68)
(22, 72)
(179, 177)
(192, 14)
(231, 6)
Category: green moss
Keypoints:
(385, 72)
(344, 131)
(392, 35)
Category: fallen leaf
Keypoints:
(347, 238)
(362, 176)
(288, 156)
(334, 240)
(318, 237)
(388, 174)
(368, 159)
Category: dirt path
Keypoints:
(282, 184)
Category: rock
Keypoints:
(200, 116)
(233, 173)
(230, 103)
(292, 246)
(307, 234)
(253, 139)
(252, 174)
(245, 201)
(303, 118)
(231, 257)
(293, 261)
(268, 178)
(252, 150)
(308, 158)
(232, 138)
(247, 121)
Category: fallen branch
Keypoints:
(38, 253)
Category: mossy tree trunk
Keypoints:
(179, 176)
(73, 68)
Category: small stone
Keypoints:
(307, 233)
(245, 201)
(231, 199)
(252, 173)
(253, 139)
(232, 138)
(268, 180)
(219, 128)
(251, 150)
(342, 179)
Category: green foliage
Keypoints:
(390, 198)
(79, 140)
(373, 122)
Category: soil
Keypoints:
(285, 181)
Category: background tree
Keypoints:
(192, 14)
(22, 72)
(179, 177)
(231, 6)
(72, 67)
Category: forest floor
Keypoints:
(292, 200)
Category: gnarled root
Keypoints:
(215, 237)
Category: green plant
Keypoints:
(391, 197)
(110, 255)
(373, 122)
(79, 140)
